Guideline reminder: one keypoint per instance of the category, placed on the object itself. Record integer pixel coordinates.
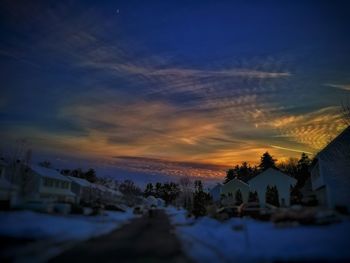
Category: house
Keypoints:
(330, 173)
(215, 192)
(8, 190)
(235, 186)
(82, 189)
(272, 178)
(106, 195)
(49, 184)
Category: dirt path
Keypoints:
(143, 240)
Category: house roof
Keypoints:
(49, 173)
(334, 163)
(235, 181)
(80, 181)
(340, 145)
(272, 174)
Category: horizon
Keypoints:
(172, 88)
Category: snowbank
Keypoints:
(31, 225)
(248, 240)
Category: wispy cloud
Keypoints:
(339, 86)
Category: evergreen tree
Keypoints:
(149, 190)
(200, 200)
(90, 175)
(272, 196)
(303, 169)
(158, 190)
(266, 162)
(230, 174)
(238, 197)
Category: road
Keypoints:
(145, 239)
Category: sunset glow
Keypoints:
(172, 83)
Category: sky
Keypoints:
(181, 87)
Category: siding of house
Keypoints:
(55, 189)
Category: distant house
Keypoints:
(106, 195)
(234, 186)
(272, 178)
(330, 173)
(215, 192)
(49, 184)
(82, 189)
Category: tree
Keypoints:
(149, 190)
(238, 197)
(90, 175)
(128, 188)
(266, 162)
(272, 196)
(200, 200)
(242, 172)
(186, 192)
(230, 174)
(45, 164)
(346, 113)
(303, 169)
(290, 167)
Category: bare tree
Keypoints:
(346, 113)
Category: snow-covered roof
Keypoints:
(49, 173)
(80, 181)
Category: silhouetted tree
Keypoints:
(128, 188)
(149, 190)
(242, 172)
(303, 169)
(289, 167)
(272, 196)
(45, 164)
(90, 175)
(238, 197)
(266, 162)
(230, 174)
(200, 200)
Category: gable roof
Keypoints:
(339, 146)
(272, 173)
(80, 181)
(49, 173)
(235, 181)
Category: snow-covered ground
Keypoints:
(32, 225)
(52, 234)
(248, 240)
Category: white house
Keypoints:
(235, 185)
(215, 192)
(82, 189)
(330, 173)
(272, 177)
(106, 195)
(49, 184)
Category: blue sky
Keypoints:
(210, 82)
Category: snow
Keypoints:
(31, 225)
(248, 240)
(49, 172)
(80, 181)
